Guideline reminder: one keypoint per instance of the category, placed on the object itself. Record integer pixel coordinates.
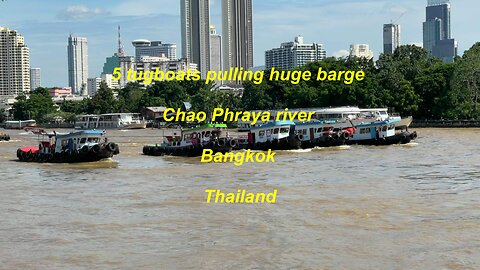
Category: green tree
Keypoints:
(104, 101)
(38, 105)
(466, 84)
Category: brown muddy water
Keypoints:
(397, 207)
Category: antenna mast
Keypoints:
(121, 51)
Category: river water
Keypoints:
(399, 207)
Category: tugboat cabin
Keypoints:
(271, 131)
(77, 140)
(375, 130)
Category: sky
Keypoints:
(47, 24)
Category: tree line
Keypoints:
(410, 82)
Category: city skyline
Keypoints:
(337, 25)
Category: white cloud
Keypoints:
(80, 12)
(341, 53)
(146, 8)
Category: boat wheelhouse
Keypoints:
(191, 142)
(279, 135)
(75, 147)
(111, 121)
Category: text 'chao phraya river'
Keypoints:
(397, 207)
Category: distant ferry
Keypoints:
(344, 117)
(111, 121)
(20, 124)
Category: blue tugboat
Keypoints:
(322, 134)
(76, 147)
(192, 142)
(278, 135)
(381, 133)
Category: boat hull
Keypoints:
(399, 138)
(103, 151)
(282, 144)
(222, 145)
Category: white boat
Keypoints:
(20, 124)
(111, 121)
(344, 116)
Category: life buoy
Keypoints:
(221, 142)
(345, 135)
(414, 136)
(300, 137)
(112, 147)
(233, 143)
(335, 136)
(95, 148)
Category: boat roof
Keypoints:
(205, 126)
(313, 123)
(380, 123)
(274, 124)
(79, 133)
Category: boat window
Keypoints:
(261, 134)
(188, 137)
(203, 134)
(275, 131)
(83, 140)
(286, 130)
(384, 128)
(269, 132)
(207, 134)
(364, 130)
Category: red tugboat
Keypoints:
(82, 146)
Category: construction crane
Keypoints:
(399, 17)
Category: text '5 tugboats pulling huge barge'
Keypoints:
(82, 146)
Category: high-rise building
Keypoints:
(391, 37)
(237, 34)
(78, 65)
(437, 38)
(361, 51)
(145, 47)
(195, 21)
(14, 63)
(35, 78)
(215, 50)
(93, 85)
(294, 54)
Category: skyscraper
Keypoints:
(78, 65)
(237, 34)
(215, 50)
(35, 78)
(437, 31)
(294, 54)
(391, 37)
(361, 51)
(145, 47)
(14, 63)
(195, 21)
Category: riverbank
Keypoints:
(445, 124)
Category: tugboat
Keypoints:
(192, 142)
(322, 134)
(4, 137)
(76, 147)
(278, 135)
(381, 133)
